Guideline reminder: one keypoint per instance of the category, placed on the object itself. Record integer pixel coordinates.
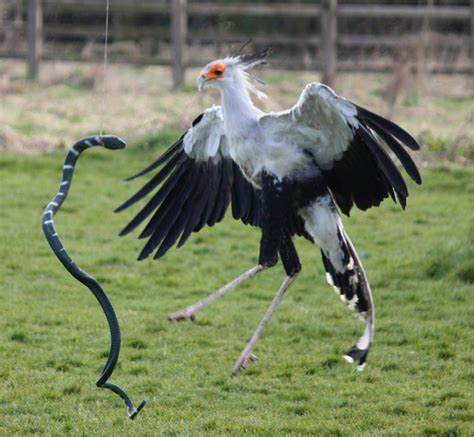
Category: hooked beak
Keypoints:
(201, 81)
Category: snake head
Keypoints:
(112, 142)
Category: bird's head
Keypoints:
(230, 71)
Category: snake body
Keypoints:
(113, 143)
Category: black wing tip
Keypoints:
(145, 233)
(127, 204)
(125, 231)
(417, 177)
(403, 189)
(181, 243)
(390, 127)
(386, 165)
(144, 254)
(120, 208)
(402, 200)
(164, 157)
(396, 147)
(413, 145)
(131, 178)
(142, 172)
(159, 254)
(414, 174)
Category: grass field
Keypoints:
(54, 340)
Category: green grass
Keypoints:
(54, 339)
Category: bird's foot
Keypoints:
(245, 358)
(356, 354)
(186, 314)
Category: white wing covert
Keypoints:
(349, 144)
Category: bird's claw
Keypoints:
(243, 362)
(187, 314)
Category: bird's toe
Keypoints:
(243, 362)
(183, 315)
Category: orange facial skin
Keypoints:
(216, 72)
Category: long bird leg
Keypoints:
(191, 311)
(276, 239)
(247, 354)
(292, 267)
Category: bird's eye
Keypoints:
(218, 72)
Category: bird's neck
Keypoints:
(238, 109)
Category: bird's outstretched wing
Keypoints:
(350, 145)
(194, 186)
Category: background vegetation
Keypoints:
(69, 103)
(53, 337)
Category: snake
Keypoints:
(113, 143)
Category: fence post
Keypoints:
(329, 40)
(179, 22)
(3, 13)
(471, 49)
(35, 37)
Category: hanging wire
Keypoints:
(104, 80)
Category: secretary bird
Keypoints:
(285, 172)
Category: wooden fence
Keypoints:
(326, 42)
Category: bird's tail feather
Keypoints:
(352, 286)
